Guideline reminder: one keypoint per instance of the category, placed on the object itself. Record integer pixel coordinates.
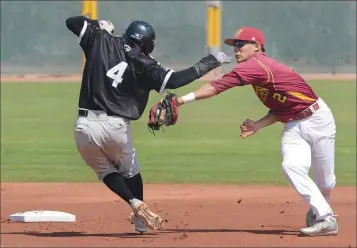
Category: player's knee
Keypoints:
(287, 170)
(102, 174)
(290, 168)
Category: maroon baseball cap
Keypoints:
(247, 33)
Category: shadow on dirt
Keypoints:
(152, 235)
(264, 232)
(81, 234)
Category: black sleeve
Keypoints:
(85, 29)
(157, 76)
(181, 78)
(76, 23)
(161, 78)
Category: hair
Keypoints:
(261, 47)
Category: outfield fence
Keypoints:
(310, 36)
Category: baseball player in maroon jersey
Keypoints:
(308, 138)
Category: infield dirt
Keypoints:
(195, 215)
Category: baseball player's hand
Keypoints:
(210, 62)
(165, 112)
(248, 128)
(222, 57)
(106, 25)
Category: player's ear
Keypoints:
(257, 47)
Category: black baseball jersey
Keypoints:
(117, 78)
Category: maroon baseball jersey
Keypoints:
(277, 86)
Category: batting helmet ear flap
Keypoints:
(149, 47)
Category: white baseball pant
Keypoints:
(105, 144)
(311, 143)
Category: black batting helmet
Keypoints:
(143, 34)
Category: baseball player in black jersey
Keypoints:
(118, 76)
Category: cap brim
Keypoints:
(230, 42)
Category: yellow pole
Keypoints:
(85, 9)
(217, 27)
(210, 29)
(93, 10)
(214, 28)
(89, 10)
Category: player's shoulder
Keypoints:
(250, 64)
(136, 55)
(107, 35)
(153, 60)
(139, 61)
(149, 60)
(257, 62)
(275, 65)
(113, 42)
(254, 67)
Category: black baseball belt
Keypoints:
(84, 113)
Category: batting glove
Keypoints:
(106, 25)
(222, 57)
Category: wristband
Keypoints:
(189, 98)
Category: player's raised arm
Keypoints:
(86, 29)
(77, 24)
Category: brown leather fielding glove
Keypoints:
(164, 112)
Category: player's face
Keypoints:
(244, 50)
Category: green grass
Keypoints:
(37, 141)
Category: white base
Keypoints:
(43, 216)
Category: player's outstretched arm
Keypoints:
(213, 88)
(201, 68)
(165, 112)
(206, 91)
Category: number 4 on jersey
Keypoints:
(117, 72)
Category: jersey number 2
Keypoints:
(279, 97)
(117, 72)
